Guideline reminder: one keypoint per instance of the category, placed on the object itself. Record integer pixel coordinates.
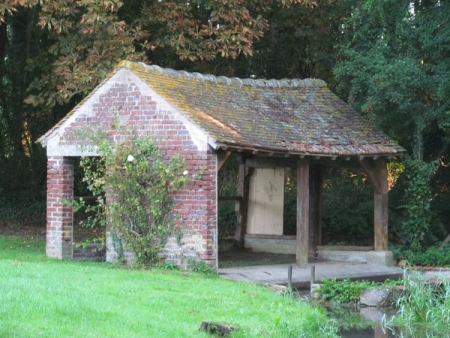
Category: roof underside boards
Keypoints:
(298, 117)
(287, 116)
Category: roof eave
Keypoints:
(275, 151)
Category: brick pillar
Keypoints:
(59, 214)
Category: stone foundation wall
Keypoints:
(90, 252)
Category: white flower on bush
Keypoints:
(130, 158)
(185, 173)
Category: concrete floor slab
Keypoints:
(278, 274)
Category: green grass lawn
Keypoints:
(41, 297)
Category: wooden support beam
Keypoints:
(381, 207)
(302, 245)
(241, 206)
(221, 158)
(370, 169)
(270, 163)
(376, 171)
(381, 222)
(229, 198)
(316, 205)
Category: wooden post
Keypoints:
(381, 208)
(290, 277)
(376, 171)
(302, 245)
(316, 205)
(241, 205)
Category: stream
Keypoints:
(363, 323)
(367, 323)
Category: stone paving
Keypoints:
(301, 277)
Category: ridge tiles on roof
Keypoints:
(272, 83)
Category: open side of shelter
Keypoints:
(270, 124)
(259, 208)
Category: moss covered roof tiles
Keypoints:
(281, 116)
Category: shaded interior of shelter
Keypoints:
(269, 233)
(88, 232)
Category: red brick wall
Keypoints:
(59, 214)
(123, 108)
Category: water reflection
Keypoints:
(363, 323)
(377, 331)
(368, 323)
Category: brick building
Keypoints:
(270, 124)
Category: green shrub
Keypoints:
(424, 309)
(418, 227)
(347, 291)
(140, 184)
(227, 186)
(226, 219)
(344, 291)
(433, 256)
(290, 205)
(347, 212)
(201, 267)
(23, 204)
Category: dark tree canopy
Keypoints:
(389, 59)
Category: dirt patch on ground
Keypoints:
(240, 257)
(16, 228)
(233, 257)
(28, 229)
(236, 256)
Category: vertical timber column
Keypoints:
(59, 213)
(316, 195)
(241, 206)
(302, 245)
(381, 207)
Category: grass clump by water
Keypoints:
(42, 297)
(423, 308)
(348, 291)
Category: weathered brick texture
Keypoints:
(90, 252)
(59, 213)
(127, 107)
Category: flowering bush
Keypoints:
(138, 183)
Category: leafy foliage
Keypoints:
(347, 291)
(139, 184)
(347, 208)
(227, 186)
(418, 196)
(394, 69)
(432, 256)
(22, 205)
(391, 65)
(391, 69)
(342, 292)
(201, 267)
(424, 310)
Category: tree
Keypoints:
(395, 70)
(52, 53)
(271, 39)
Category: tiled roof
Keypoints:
(280, 116)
